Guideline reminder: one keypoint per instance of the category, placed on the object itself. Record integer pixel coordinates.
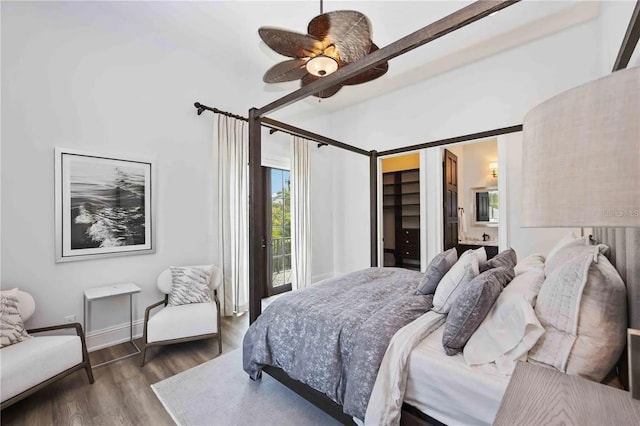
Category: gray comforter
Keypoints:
(332, 336)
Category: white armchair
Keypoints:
(184, 323)
(30, 365)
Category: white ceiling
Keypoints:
(227, 32)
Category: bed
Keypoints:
(371, 316)
(333, 336)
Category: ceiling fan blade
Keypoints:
(370, 74)
(288, 43)
(309, 78)
(293, 69)
(348, 30)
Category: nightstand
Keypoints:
(542, 396)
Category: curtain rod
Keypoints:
(202, 108)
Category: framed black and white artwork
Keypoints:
(104, 205)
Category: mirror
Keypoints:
(485, 206)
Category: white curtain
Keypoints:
(300, 213)
(233, 214)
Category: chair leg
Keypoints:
(142, 355)
(87, 367)
(219, 343)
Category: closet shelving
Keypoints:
(401, 202)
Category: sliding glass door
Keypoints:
(277, 183)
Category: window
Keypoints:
(280, 271)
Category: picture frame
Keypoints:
(104, 205)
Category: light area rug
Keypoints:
(219, 392)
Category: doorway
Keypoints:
(401, 209)
(470, 193)
(277, 187)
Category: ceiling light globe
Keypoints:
(321, 66)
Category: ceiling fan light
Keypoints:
(321, 66)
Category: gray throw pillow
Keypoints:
(437, 269)
(506, 258)
(189, 285)
(472, 306)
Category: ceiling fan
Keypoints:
(334, 39)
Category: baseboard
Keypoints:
(321, 277)
(110, 336)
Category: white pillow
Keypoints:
(460, 274)
(563, 242)
(569, 239)
(506, 335)
(569, 250)
(527, 284)
(533, 261)
(481, 253)
(583, 307)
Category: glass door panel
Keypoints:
(279, 216)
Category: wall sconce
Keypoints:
(494, 169)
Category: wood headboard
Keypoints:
(624, 254)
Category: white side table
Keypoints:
(96, 293)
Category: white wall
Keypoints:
(488, 94)
(351, 192)
(84, 76)
(71, 84)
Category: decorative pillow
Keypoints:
(506, 335)
(527, 284)
(583, 308)
(189, 285)
(471, 307)
(481, 253)
(506, 258)
(460, 274)
(11, 326)
(533, 261)
(563, 242)
(437, 268)
(569, 251)
(569, 239)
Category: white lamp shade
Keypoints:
(581, 156)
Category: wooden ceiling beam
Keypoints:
(450, 23)
(630, 40)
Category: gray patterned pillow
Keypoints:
(11, 326)
(472, 306)
(506, 258)
(189, 285)
(437, 268)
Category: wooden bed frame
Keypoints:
(624, 243)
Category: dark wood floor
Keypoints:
(121, 394)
